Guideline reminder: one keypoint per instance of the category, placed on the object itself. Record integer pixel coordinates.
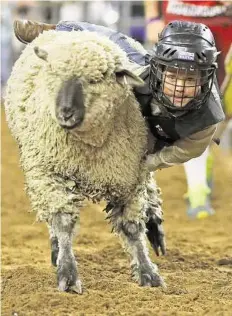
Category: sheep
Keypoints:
(70, 105)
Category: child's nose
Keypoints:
(180, 84)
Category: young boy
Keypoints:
(217, 15)
(180, 98)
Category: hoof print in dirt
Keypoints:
(225, 262)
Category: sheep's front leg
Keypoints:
(67, 275)
(54, 245)
(129, 224)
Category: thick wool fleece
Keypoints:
(101, 159)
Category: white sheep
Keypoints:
(81, 134)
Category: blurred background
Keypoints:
(199, 260)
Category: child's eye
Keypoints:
(171, 77)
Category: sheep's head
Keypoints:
(70, 105)
(92, 76)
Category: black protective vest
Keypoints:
(167, 128)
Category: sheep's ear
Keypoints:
(125, 76)
(41, 53)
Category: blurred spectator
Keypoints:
(96, 12)
(154, 21)
(6, 44)
(226, 87)
(226, 139)
(72, 11)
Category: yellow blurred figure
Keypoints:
(226, 88)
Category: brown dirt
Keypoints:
(197, 283)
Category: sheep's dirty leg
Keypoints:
(143, 270)
(62, 227)
(129, 223)
(54, 250)
(54, 246)
(155, 232)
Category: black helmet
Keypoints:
(185, 51)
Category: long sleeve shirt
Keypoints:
(182, 150)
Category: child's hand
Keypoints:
(150, 162)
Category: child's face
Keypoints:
(181, 87)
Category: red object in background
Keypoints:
(221, 27)
(206, 3)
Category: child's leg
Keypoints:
(195, 170)
(199, 185)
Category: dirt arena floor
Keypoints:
(199, 281)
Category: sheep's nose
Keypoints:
(67, 113)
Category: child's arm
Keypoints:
(182, 150)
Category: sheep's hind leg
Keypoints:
(143, 270)
(67, 275)
(131, 228)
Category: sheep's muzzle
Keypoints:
(70, 109)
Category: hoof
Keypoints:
(152, 280)
(64, 286)
(67, 276)
(148, 276)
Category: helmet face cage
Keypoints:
(180, 87)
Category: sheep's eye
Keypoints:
(92, 81)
